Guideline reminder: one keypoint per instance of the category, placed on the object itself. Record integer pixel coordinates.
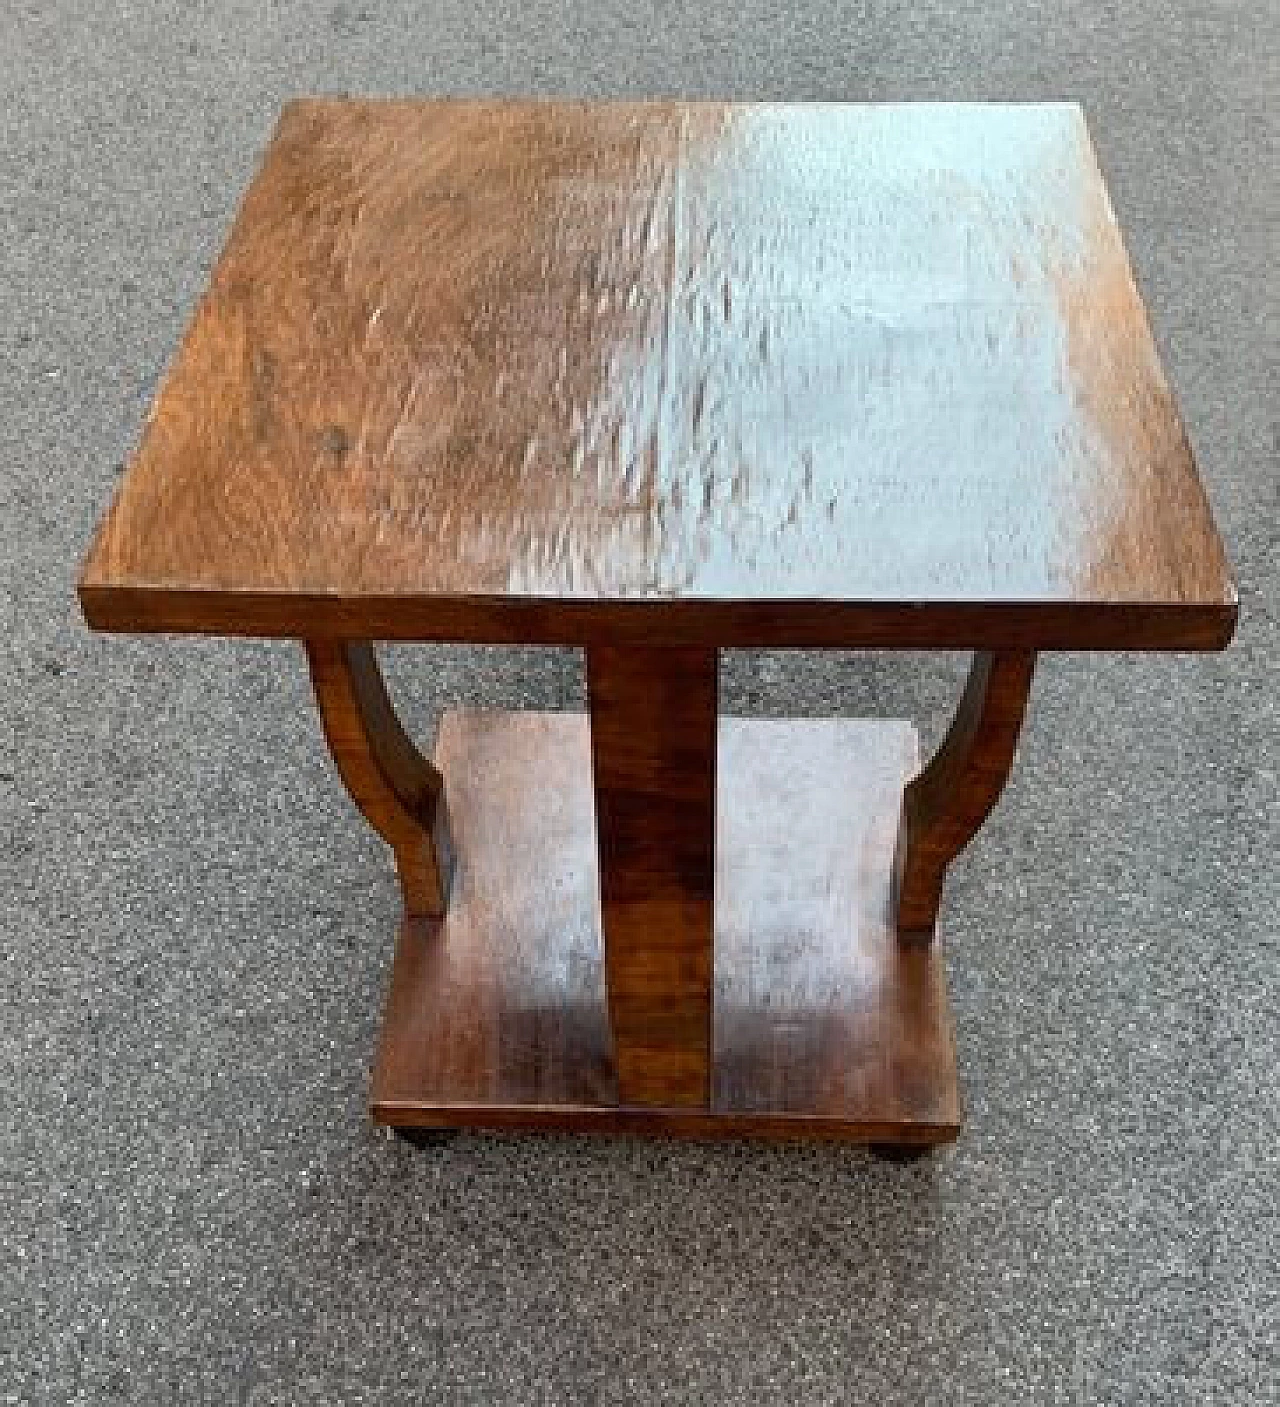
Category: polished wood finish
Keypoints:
(814, 624)
(659, 379)
(396, 789)
(672, 373)
(653, 753)
(503, 1002)
(824, 1025)
(944, 807)
(818, 1007)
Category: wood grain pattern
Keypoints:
(824, 1025)
(396, 789)
(502, 1003)
(818, 1006)
(653, 752)
(704, 373)
(944, 807)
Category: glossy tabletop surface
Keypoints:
(757, 373)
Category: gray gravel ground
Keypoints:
(195, 1206)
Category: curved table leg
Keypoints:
(944, 807)
(399, 792)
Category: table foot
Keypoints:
(823, 1024)
(899, 1152)
(426, 1138)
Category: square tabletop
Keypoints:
(746, 374)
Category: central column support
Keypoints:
(653, 749)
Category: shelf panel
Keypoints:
(824, 1025)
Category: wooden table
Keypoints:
(659, 380)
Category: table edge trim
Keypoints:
(806, 623)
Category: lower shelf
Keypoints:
(824, 1025)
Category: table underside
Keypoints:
(823, 1022)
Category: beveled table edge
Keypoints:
(728, 624)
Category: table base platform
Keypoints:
(824, 1024)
